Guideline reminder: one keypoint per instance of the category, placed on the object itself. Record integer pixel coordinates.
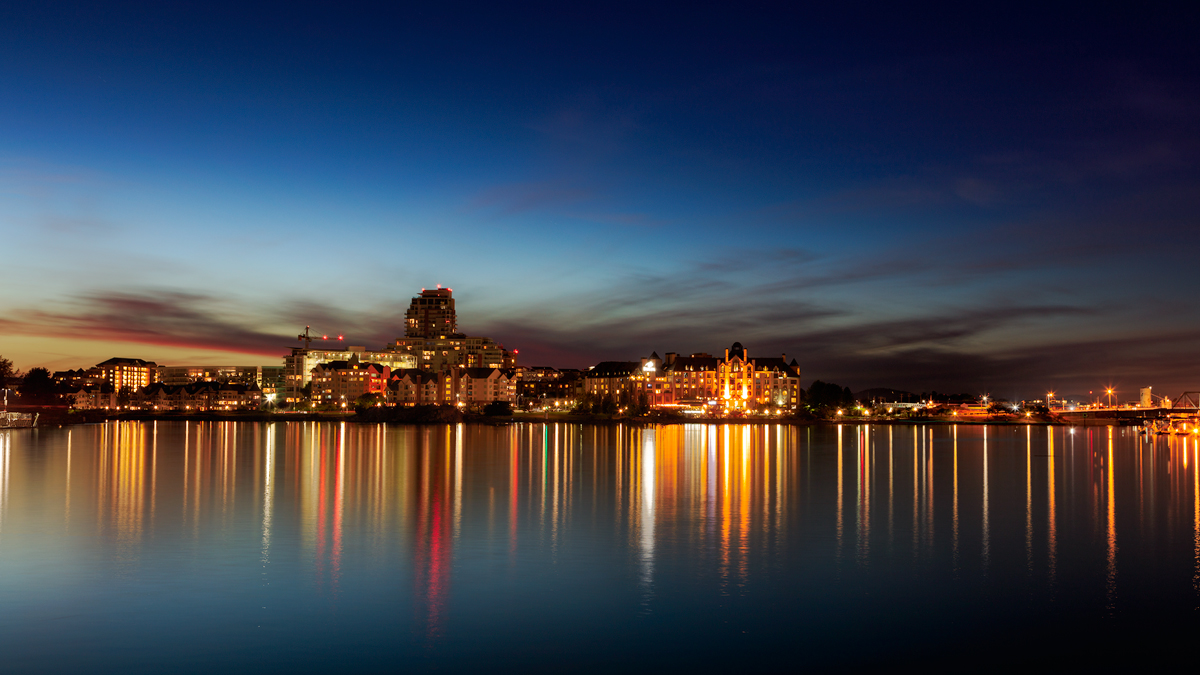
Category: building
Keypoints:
(611, 378)
(127, 375)
(268, 378)
(412, 387)
(431, 337)
(298, 366)
(751, 384)
(198, 396)
(430, 343)
(733, 383)
(690, 380)
(463, 387)
(545, 386)
(431, 314)
(476, 387)
(342, 382)
(74, 379)
(92, 397)
(450, 351)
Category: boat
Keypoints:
(12, 420)
(1174, 425)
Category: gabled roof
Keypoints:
(692, 364)
(480, 373)
(776, 363)
(613, 369)
(414, 375)
(119, 361)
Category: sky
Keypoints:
(995, 199)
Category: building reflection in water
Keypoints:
(726, 499)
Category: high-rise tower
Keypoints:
(431, 314)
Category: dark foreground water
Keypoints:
(273, 547)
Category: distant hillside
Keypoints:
(885, 394)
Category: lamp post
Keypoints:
(1109, 391)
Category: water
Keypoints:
(260, 547)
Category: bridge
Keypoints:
(1186, 404)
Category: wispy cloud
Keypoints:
(171, 318)
(517, 198)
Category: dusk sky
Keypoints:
(979, 200)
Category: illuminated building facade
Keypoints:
(298, 367)
(449, 351)
(747, 384)
(545, 385)
(126, 375)
(94, 397)
(198, 396)
(268, 378)
(431, 314)
(734, 383)
(466, 387)
(73, 379)
(472, 387)
(413, 386)
(611, 378)
(345, 381)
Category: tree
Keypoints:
(607, 405)
(37, 387)
(823, 397)
(365, 401)
(7, 372)
(498, 409)
(641, 405)
(585, 403)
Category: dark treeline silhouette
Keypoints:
(822, 397)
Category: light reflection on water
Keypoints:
(270, 546)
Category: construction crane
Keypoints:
(307, 338)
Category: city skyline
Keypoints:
(945, 200)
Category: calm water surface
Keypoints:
(272, 547)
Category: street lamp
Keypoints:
(1109, 391)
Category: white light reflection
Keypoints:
(5, 451)
(268, 484)
(646, 540)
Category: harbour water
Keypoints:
(275, 547)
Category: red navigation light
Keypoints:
(516, 351)
(324, 337)
(341, 338)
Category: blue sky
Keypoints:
(948, 198)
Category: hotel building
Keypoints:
(125, 375)
(733, 383)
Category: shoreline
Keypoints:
(56, 416)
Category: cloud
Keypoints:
(177, 319)
(516, 198)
